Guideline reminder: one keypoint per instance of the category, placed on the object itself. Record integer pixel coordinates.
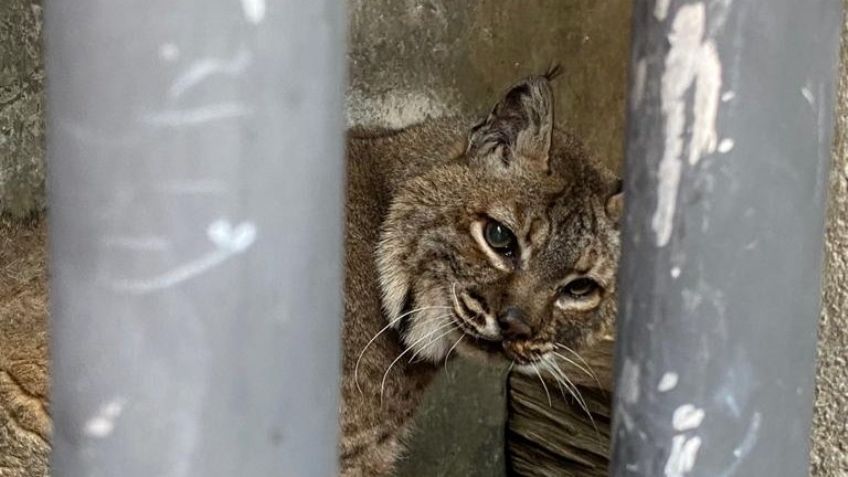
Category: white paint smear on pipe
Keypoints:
(691, 60)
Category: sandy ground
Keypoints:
(24, 414)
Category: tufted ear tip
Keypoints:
(554, 72)
(519, 127)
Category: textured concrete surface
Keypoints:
(24, 413)
(410, 59)
(21, 119)
(459, 430)
(830, 425)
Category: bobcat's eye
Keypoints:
(581, 288)
(500, 238)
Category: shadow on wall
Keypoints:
(417, 58)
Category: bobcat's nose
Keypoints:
(513, 325)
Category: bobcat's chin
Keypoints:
(492, 335)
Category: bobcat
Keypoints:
(497, 242)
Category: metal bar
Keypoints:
(195, 185)
(727, 156)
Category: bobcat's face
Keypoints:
(509, 251)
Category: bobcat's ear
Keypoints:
(518, 129)
(615, 203)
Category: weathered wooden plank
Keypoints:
(558, 438)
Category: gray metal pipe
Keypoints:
(195, 181)
(727, 156)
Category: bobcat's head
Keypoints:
(509, 250)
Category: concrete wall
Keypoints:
(21, 119)
(411, 59)
(830, 426)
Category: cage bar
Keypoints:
(195, 181)
(726, 165)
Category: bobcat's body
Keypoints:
(372, 427)
(421, 280)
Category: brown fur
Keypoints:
(417, 200)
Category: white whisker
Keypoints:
(578, 366)
(558, 381)
(455, 299)
(561, 378)
(371, 341)
(545, 386)
(450, 351)
(451, 330)
(587, 369)
(574, 391)
(407, 350)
